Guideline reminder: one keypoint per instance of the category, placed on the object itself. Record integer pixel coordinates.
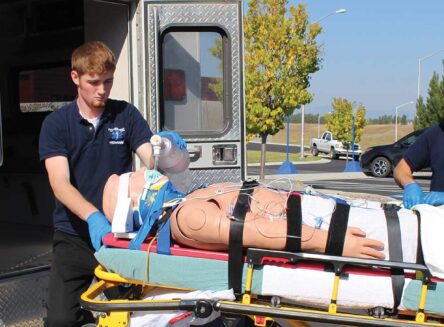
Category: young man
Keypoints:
(425, 152)
(81, 145)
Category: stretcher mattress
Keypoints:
(308, 284)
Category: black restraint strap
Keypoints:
(337, 230)
(235, 253)
(419, 256)
(395, 251)
(294, 223)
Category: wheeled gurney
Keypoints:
(422, 300)
(287, 285)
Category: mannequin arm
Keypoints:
(204, 225)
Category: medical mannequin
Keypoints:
(202, 220)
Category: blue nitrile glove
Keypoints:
(434, 198)
(412, 195)
(98, 227)
(180, 142)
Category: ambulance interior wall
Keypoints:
(41, 35)
(37, 35)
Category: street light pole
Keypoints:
(287, 166)
(302, 131)
(353, 136)
(396, 117)
(419, 67)
(338, 11)
(353, 166)
(319, 123)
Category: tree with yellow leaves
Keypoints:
(339, 122)
(280, 54)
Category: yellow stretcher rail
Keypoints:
(117, 312)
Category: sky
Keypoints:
(371, 52)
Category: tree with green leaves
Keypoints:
(280, 54)
(216, 84)
(432, 112)
(339, 122)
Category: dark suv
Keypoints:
(380, 160)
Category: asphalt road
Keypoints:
(327, 165)
(324, 166)
(277, 147)
(371, 185)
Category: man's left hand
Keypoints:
(434, 198)
(180, 142)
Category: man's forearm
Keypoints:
(70, 197)
(145, 154)
(404, 181)
(403, 174)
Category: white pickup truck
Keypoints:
(328, 143)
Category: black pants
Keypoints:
(72, 271)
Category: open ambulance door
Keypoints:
(194, 79)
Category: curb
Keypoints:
(320, 161)
(315, 177)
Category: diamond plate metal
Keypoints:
(22, 300)
(151, 68)
(226, 15)
(210, 176)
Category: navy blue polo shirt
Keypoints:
(93, 155)
(428, 151)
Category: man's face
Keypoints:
(93, 89)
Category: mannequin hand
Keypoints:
(412, 195)
(98, 227)
(356, 245)
(180, 142)
(434, 198)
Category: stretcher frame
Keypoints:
(117, 312)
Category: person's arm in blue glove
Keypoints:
(98, 227)
(413, 193)
(180, 142)
(58, 175)
(434, 198)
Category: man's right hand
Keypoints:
(413, 195)
(98, 227)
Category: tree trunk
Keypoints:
(263, 152)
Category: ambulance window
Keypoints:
(192, 79)
(45, 89)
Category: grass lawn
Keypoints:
(373, 134)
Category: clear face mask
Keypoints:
(151, 176)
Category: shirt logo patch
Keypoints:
(117, 135)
